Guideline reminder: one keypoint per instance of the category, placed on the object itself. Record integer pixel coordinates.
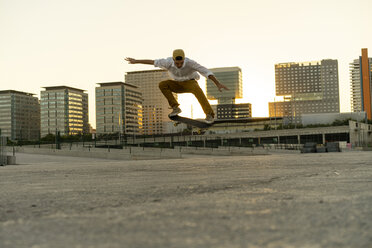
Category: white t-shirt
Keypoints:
(188, 71)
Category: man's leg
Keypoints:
(193, 87)
(167, 87)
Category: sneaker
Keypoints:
(176, 111)
(209, 119)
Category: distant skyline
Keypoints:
(81, 43)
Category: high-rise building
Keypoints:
(155, 106)
(19, 115)
(231, 77)
(226, 108)
(361, 84)
(65, 110)
(118, 108)
(307, 87)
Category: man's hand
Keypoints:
(217, 83)
(140, 61)
(221, 86)
(131, 60)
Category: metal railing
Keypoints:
(3, 158)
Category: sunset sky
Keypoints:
(80, 43)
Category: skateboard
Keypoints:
(202, 125)
(192, 122)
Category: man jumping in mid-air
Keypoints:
(184, 73)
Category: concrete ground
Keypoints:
(287, 200)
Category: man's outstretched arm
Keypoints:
(217, 83)
(208, 74)
(140, 61)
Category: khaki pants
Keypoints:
(190, 86)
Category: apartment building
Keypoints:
(306, 88)
(226, 108)
(19, 115)
(155, 107)
(231, 77)
(65, 110)
(118, 109)
(361, 84)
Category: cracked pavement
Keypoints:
(282, 200)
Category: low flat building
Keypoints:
(354, 134)
(329, 118)
(233, 111)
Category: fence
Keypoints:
(3, 158)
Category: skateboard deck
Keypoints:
(192, 122)
(203, 125)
